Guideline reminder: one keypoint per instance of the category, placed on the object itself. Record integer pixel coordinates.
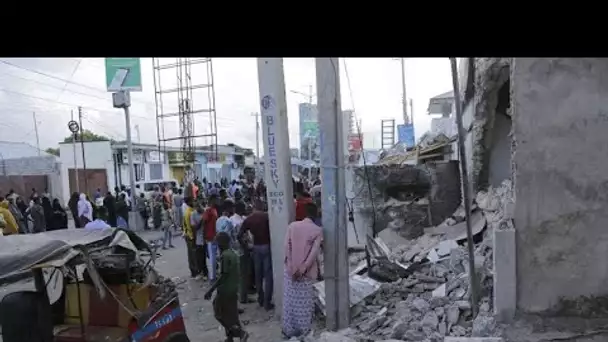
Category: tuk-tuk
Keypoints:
(91, 285)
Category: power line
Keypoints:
(65, 80)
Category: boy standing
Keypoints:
(225, 303)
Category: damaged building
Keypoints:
(533, 142)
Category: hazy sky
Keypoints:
(52, 87)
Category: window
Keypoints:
(156, 171)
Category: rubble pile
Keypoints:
(433, 299)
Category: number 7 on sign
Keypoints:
(119, 78)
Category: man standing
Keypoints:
(178, 200)
(209, 222)
(189, 237)
(225, 303)
(196, 222)
(258, 224)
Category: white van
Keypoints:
(147, 187)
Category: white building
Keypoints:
(107, 164)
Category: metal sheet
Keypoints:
(21, 252)
(360, 288)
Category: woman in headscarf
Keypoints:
(85, 210)
(18, 215)
(302, 247)
(73, 205)
(122, 211)
(110, 203)
(60, 217)
(37, 214)
(48, 213)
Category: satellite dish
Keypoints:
(53, 278)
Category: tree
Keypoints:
(53, 151)
(87, 136)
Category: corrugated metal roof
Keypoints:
(14, 150)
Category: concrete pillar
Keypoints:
(277, 161)
(505, 274)
(333, 194)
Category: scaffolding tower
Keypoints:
(185, 89)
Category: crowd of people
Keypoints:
(227, 233)
(222, 226)
(34, 214)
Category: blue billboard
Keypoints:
(405, 135)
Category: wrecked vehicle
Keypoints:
(91, 285)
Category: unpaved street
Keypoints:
(201, 325)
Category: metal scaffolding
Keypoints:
(191, 82)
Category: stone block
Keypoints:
(505, 277)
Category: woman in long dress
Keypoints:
(60, 217)
(85, 210)
(302, 247)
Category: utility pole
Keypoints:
(122, 99)
(412, 109)
(84, 159)
(277, 160)
(337, 303)
(36, 130)
(406, 119)
(257, 141)
(75, 159)
(138, 134)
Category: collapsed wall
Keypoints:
(406, 198)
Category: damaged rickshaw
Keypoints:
(91, 285)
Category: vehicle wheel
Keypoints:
(177, 337)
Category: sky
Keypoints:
(53, 88)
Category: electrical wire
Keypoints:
(365, 168)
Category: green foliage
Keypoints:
(53, 151)
(87, 136)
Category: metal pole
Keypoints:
(75, 159)
(405, 117)
(465, 190)
(257, 141)
(337, 303)
(130, 156)
(36, 130)
(84, 159)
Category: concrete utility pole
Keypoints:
(257, 141)
(75, 159)
(36, 130)
(84, 159)
(279, 190)
(337, 289)
(406, 119)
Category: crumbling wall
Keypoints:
(490, 75)
(406, 198)
(560, 120)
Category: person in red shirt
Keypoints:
(302, 199)
(209, 219)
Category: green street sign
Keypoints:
(311, 129)
(123, 74)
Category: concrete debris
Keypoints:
(431, 300)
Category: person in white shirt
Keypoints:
(100, 221)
